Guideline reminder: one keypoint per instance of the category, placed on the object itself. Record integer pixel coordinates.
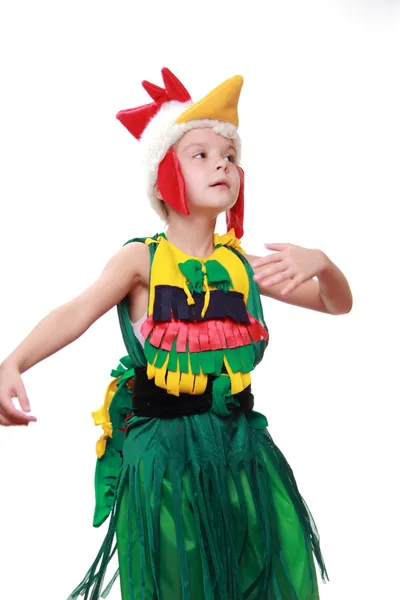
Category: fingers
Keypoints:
(12, 387)
(12, 416)
(5, 422)
(277, 278)
(275, 246)
(22, 396)
(274, 274)
(265, 260)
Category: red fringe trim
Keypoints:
(182, 336)
(197, 336)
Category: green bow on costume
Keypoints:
(216, 275)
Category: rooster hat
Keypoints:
(160, 124)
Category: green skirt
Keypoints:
(207, 508)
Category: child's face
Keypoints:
(208, 163)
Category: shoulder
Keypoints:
(135, 256)
(130, 263)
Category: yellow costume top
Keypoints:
(198, 322)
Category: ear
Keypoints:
(235, 216)
(171, 184)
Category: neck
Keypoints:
(192, 235)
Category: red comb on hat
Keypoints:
(137, 119)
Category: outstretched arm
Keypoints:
(302, 277)
(67, 323)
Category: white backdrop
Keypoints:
(320, 124)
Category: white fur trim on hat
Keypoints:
(162, 132)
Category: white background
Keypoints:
(320, 124)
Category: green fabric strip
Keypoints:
(150, 352)
(219, 361)
(173, 358)
(207, 362)
(195, 362)
(233, 359)
(183, 358)
(161, 358)
(247, 356)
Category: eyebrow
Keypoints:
(192, 144)
(231, 147)
(203, 144)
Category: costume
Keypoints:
(202, 503)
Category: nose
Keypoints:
(222, 164)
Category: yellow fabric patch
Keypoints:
(229, 239)
(176, 382)
(200, 383)
(221, 104)
(165, 270)
(239, 381)
(102, 417)
(173, 378)
(186, 383)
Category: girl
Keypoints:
(201, 502)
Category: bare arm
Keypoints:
(68, 322)
(328, 293)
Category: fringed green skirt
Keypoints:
(207, 508)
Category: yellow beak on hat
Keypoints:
(221, 104)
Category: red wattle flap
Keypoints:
(235, 216)
(171, 183)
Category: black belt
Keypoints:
(149, 400)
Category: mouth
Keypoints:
(221, 183)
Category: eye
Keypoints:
(231, 158)
(201, 154)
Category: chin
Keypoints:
(219, 207)
(213, 204)
(211, 211)
(224, 200)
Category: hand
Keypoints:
(11, 386)
(290, 262)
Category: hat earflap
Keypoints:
(235, 215)
(171, 183)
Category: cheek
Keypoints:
(193, 176)
(187, 169)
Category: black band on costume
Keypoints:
(171, 302)
(149, 400)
